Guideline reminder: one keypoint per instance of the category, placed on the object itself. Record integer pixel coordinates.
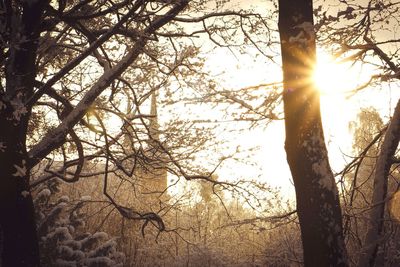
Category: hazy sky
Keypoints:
(242, 70)
(337, 110)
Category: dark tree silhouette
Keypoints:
(317, 198)
(65, 64)
(22, 23)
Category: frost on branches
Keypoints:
(61, 241)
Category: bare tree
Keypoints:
(369, 39)
(68, 68)
(317, 198)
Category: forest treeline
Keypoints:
(114, 131)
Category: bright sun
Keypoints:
(332, 77)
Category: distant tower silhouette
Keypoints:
(151, 173)
(153, 125)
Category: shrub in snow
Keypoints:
(61, 241)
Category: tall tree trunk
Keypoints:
(317, 198)
(20, 244)
(382, 168)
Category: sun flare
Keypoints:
(332, 77)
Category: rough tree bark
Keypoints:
(382, 168)
(317, 198)
(20, 246)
